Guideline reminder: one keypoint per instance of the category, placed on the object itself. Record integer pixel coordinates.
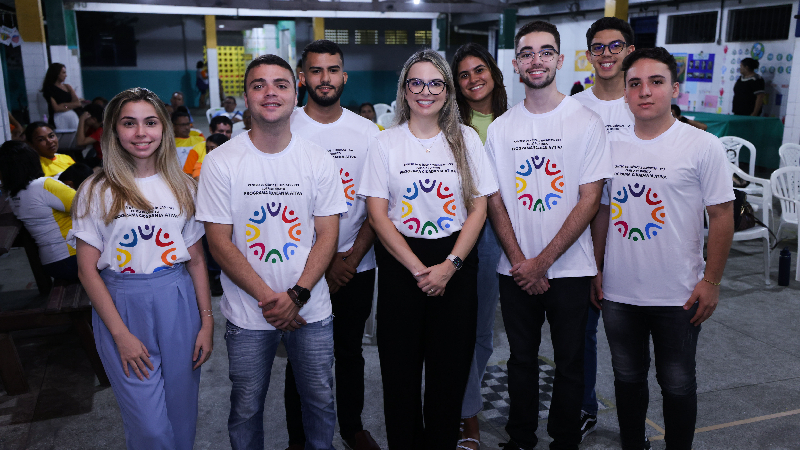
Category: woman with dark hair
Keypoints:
(43, 205)
(61, 100)
(45, 143)
(481, 98)
(748, 92)
(426, 180)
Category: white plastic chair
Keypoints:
(385, 120)
(786, 188)
(382, 108)
(733, 146)
(236, 127)
(211, 111)
(394, 105)
(790, 155)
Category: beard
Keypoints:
(547, 81)
(330, 99)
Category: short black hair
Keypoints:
(231, 97)
(19, 165)
(32, 127)
(220, 119)
(610, 23)
(659, 54)
(101, 99)
(268, 60)
(538, 25)
(95, 110)
(322, 46)
(676, 109)
(178, 114)
(366, 104)
(200, 64)
(218, 138)
(76, 173)
(750, 63)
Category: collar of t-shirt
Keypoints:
(753, 77)
(553, 112)
(305, 116)
(656, 139)
(280, 154)
(427, 143)
(590, 92)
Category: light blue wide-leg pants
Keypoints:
(160, 309)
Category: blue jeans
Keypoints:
(590, 361)
(488, 294)
(628, 329)
(250, 356)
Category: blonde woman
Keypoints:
(134, 222)
(426, 180)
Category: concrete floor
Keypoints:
(748, 375)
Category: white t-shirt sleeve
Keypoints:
(481, 168)
(375, 180)
(214, 193)
(715, 178)
(87, 228)
(330, 198)
(597, 154)
(192, 231)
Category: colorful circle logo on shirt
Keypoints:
(427, 188)
(290, 221)
(556, 183)
(634, 194)
(758, 50)
(131, 240)
(349, 187)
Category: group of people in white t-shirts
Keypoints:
(593, 202)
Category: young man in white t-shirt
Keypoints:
(551, 157)
(655, 280)
(271, 202)
(351, 272)
(609, 40)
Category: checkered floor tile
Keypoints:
(494, 389)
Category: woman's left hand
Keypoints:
(433, 279)
(204, 344)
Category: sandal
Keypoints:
(461, 441)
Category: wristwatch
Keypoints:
(299, 295)
(456, 261)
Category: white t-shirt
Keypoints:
(139, 241)
(654, 248)
(423, 188)
(616, 114)
(271, 201)
(347, 140)
(44, 207)
(541, 161)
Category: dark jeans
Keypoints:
(439, 332)
(628, 329)
(564, 306)
(352, 305)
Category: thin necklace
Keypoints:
(428, 148)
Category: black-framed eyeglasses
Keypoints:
(416, 86)
(545, 55)
(614, 47)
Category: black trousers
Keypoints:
(416, 330)
(564, 306)
(352, 305)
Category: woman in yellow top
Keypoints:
(43, 140)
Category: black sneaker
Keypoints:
(646, 443)
(588, 424)
(511, 445)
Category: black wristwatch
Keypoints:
(299, 295)
(457, 262)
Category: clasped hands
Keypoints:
(433, 280)
(531, 275)
(280, 311)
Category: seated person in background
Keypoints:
(219, 125)
(45, 142)
(43, 204)
(17, 132)
(676, 113)
(230, 110)
(184, 140)
(577, 87)
(213, 141)
(75, 175)
(100, 101)
(367, 111)
(176, 102)
(90, 130)
(194, 131)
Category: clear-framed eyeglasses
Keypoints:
(614, 47)
(416, 86)
(545, 55)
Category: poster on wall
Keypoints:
(581, 63)
(681, 59)
(700, 68)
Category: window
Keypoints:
(692, 28)
(367, 37)
(423, 37)
(396, 37)
(340, 37)
(765, 23)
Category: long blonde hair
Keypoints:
(119, 169)
(449, 118)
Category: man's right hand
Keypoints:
(339, 271)
(596, 290)
(281, 312)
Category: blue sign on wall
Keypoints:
(698, 69)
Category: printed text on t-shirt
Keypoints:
(273, 189)
(624, 170)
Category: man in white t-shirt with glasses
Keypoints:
(271, 201)
(351, 272)
(655, 281)
(551, 158)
